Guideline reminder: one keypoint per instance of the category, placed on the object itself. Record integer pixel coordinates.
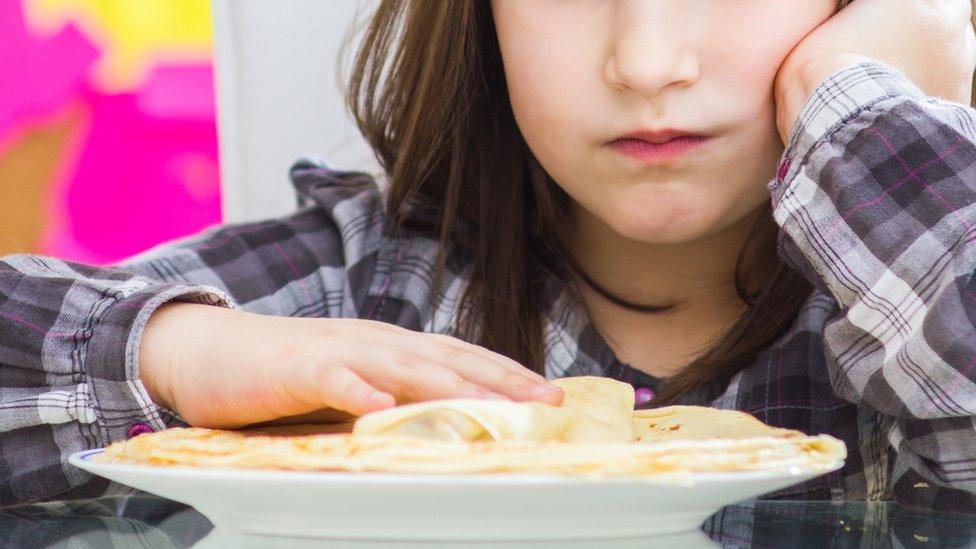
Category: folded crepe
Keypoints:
(594, 409)
(595, 433)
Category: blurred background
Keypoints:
(109, 117)
(108, 141)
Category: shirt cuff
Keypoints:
(111, 358)
(841, 97)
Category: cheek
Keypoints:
(549, 93)
(552, 69)
(745, 63)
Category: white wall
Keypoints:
(279, 97)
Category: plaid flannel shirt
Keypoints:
(876, 201)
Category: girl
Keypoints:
(575, 187)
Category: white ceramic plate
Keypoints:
(381, 506)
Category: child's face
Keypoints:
(582, 73)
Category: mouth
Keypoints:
(657, 146)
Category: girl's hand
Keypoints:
(224, 368)
(931, 41)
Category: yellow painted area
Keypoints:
(133, 34)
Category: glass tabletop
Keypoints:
(144, 520)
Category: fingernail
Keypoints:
(380, 398)
(495, 396)
(542, 390)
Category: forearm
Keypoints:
(869, 150)
(875, 203)
(68, 333)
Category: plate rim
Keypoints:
(82, 460)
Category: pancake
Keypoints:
(699, 423)
(594, 409)
(594, 433)
(605, 409)
(344, 452)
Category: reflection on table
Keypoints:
(143, 520)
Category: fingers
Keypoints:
(423, 380)
(473, 363)
(393, 334)
(499, 358)
(489, 369)
(328, 384)
(516, 383)
(413, 376)
(362, 366)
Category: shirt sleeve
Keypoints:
(876, 199)
(70, 332)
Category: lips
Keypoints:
(660, 136)
(657, 146)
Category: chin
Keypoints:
(661, 219)
(654, 226)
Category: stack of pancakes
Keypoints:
(595, 433)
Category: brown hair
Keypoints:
(428, 92)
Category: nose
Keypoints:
(651, 48)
